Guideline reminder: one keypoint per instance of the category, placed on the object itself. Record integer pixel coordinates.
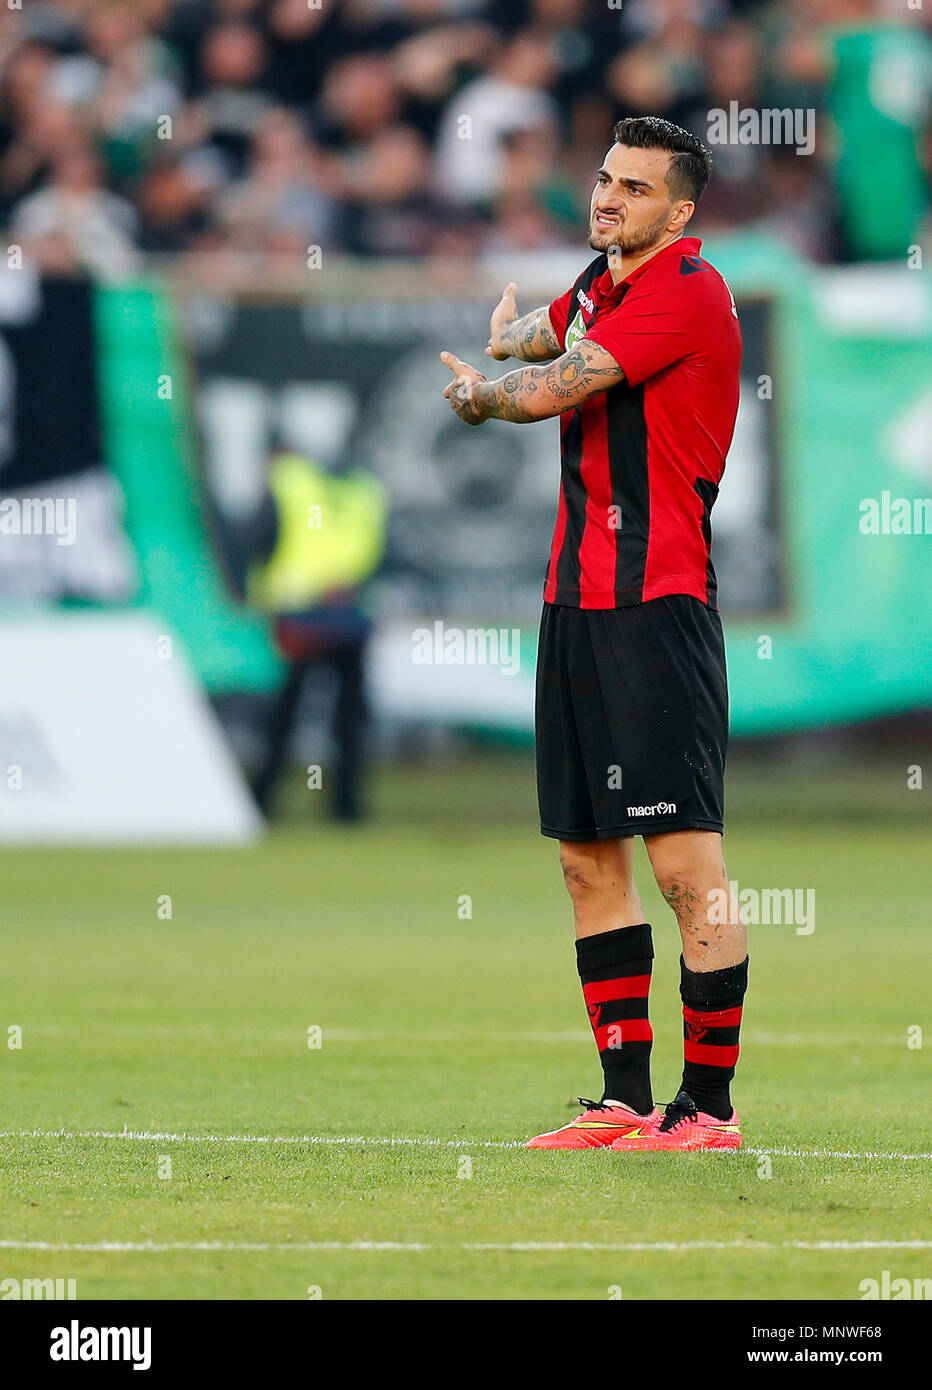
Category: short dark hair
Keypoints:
(691, 164)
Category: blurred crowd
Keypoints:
(255, 129)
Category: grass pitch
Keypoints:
(168, 1131)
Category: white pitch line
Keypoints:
(832, 1153)
(147, 1247)
(166, 1247)
(220, 1032)
(710, 1245)
(360, 1141)
(355, 1140)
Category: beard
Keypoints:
(629, 243)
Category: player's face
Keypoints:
(631, 206)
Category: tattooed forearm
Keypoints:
(508, 398)
(537, 393)
(531, 338)
(575, 372)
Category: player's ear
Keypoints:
(682, 213)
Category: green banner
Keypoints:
(148, 424)
(852, 398)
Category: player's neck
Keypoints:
(622, 266)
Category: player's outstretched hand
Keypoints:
(504, 313)
(460, 390)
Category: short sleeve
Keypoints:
(652, 329)
(560, 313)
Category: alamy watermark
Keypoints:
(40, 516)
(779, 907)
(77, 1343)
(745, 125)
(895, 516)
(31, 1289)
(470, 646)
(887, 1288)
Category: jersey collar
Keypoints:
(685, 246)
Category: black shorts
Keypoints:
(632, 719)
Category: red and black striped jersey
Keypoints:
(641, 462)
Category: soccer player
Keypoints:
(640, 359)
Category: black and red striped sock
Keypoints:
(614, 969)
(712, 1004)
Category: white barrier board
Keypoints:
(106, 738)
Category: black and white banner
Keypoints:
(358, 382)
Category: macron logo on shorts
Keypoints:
(663, 808)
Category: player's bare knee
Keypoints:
(589, 871)
(685, 865)
(581, 872)
(680, 892)
(677, 878)
(577, 872)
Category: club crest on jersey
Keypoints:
(576, 330)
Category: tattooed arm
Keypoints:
(530, 338)
(532, 393)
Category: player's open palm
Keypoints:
(503, 315)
